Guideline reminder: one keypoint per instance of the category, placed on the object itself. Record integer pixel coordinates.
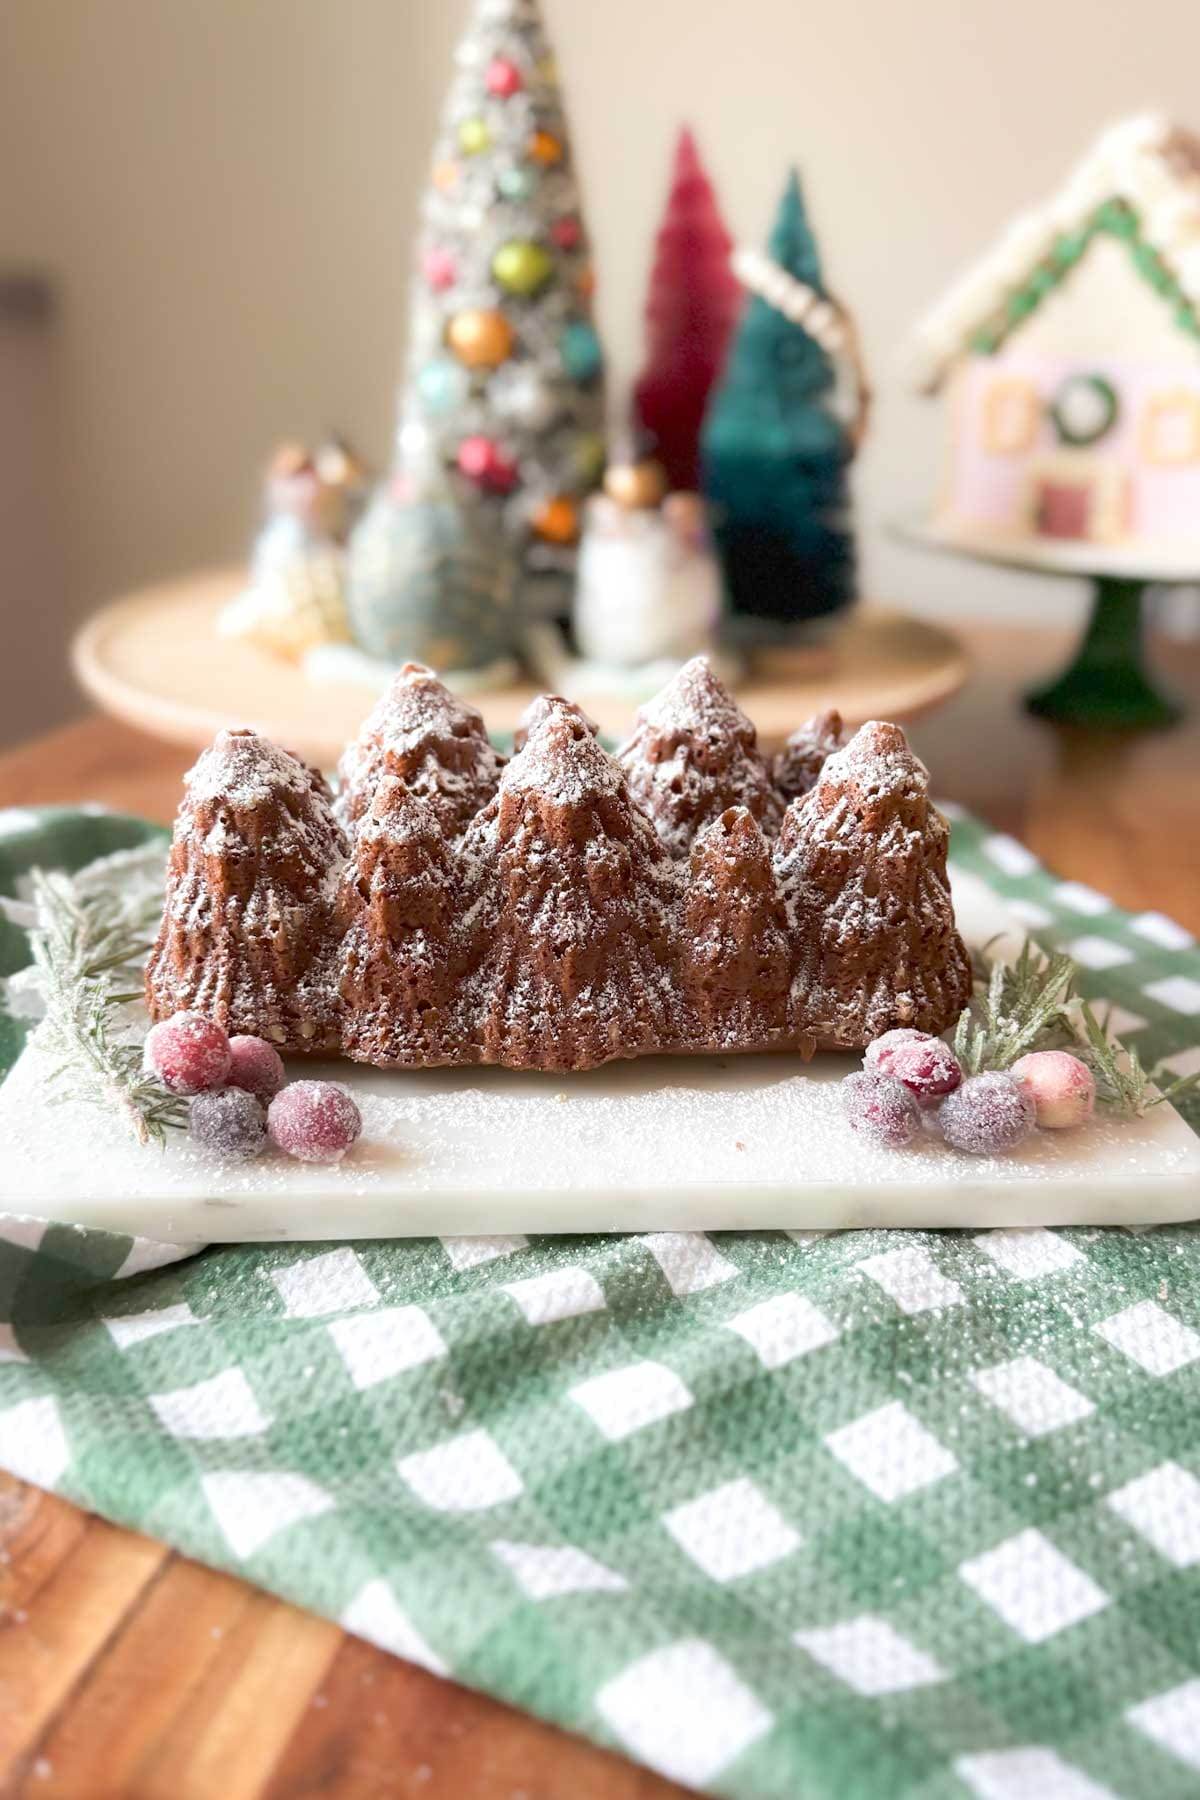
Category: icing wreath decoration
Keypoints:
(1084, 410)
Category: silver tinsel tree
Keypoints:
(504, 387)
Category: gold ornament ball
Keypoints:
(445, 177)
(557, 520)
(635, 486)
(522, 267)
(545, 148)
(474, 137)
(481, 338)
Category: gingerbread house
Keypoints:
(1070, 357)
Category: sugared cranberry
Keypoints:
(188, 1053)
(1062, 1088)
(315, 1121)
(878, 1055)
(256, 1066)
(928, 1068)
(987, 1115)
(230, 1123)
(881, 1108)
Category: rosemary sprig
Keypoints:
(1034, 1004)
(87, 947)
(1121, 1081)
(1023, 1006)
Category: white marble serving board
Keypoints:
(660, 1144)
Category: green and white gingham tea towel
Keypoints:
(844, 1517)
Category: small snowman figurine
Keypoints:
(649, 586)
(296, 597)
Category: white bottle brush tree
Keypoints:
(504, 387)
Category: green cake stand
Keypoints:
(1106, 686)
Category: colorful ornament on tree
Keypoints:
(567, 232)
(522, 397)
(522, 267)
(580, 350)
(775, 457)
(691, 308)
(474, 137)
(445, 176)
(482, 461)
(482, 338)
(521, 368)
(443, 384)
(556, 521)
(438, 268)
(546, 149)
(516, 184)
(587, 457)
(503, 78)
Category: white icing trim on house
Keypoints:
(1145, 161)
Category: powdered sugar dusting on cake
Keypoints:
(430, 739)
(697, 704)
(562, 758)
(248, 928)
(240, 769)
(863, 862)
(566, 910)
(797, 768)
(693, 754)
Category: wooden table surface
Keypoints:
(127, 1671)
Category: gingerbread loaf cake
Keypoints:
(568, 907)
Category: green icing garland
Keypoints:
(1117, 218)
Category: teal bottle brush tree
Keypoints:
(777, 443)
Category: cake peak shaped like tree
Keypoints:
(863, 860)
(432, 740)
(504, 387)
(691, 305)
(573, 903)
(248, 926)
(562, 760)
(692, 754)
(737, 957)
(696, 701)
(775, 454)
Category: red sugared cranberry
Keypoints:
(315, 1121)
(1062, 1088)
(881, 1108)
(987, 1115)
(878, 1056)
(188, 1053)
(230, 1124)
(928, 1068)
(256, 1066)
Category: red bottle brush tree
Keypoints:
(691, 308)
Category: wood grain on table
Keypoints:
(130, 1673)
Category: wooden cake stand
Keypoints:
(154, 659)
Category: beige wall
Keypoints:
(226, 190)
